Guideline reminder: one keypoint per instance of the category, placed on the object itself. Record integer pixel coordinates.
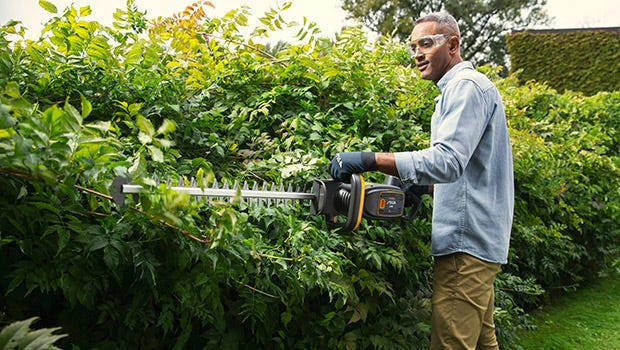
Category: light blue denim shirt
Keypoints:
(470, 164)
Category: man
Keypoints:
(468, 166)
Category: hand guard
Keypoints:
(414, 192)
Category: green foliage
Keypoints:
(188, 96)
(566, 165)
(483, 24)
(18, 335)
(557, 58)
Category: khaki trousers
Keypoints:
(462, 303)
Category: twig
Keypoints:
(99, 194)
(257, 290)
(276, 257)
(98, 214)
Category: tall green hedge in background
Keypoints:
(190, 96)
(586, 61)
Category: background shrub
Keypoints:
(556, 58)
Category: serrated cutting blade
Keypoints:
(122, 186)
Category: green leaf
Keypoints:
(48, 6)
(83, 32)
(286, 5)
(156, 153)
(101, 126)
(286, 318)
(166, 127)
(74, 123)
(111, 256)
(85, 11)
(138, 168)
(6, 120)
(134, 109)
(144, 138)
(14, 331)
(46, 206)
(145, 125)
(63, 238)
(97, 242)
(86, 107)
(228, 220)
(18, 335)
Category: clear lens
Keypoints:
(424, 44)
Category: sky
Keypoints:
(326, 13)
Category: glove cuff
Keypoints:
(368, 161)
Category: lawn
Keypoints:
(588, 318)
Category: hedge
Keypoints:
(584, 60)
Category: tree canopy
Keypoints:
(483, 23)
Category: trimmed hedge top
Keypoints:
(587, 61)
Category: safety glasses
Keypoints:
(426, 43)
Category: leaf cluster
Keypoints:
(18, 335)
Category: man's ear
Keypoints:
(454, 43)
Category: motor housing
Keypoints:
(345, 204)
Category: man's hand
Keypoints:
(346, 163)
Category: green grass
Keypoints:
(586, 319)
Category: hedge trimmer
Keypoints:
(342, 204)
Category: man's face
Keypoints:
(433, 55)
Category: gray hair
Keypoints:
(445, 20)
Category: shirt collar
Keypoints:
(441, 84)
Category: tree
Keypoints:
(484, 23)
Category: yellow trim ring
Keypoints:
(361, 206)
